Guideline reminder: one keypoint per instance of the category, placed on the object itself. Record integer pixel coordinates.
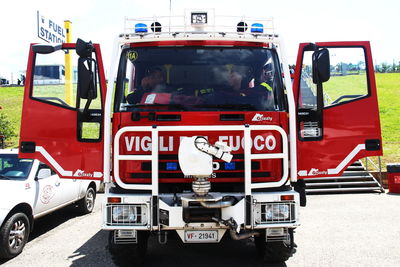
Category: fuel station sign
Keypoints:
(49, 30)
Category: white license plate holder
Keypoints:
(201, 236)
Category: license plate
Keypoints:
(201, 236)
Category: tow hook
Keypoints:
(234, 231)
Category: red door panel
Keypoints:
(51, 129)
(350, 126)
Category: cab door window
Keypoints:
(52, 82)
(55, 82)
(348, 79)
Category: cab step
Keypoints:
(376, 189)
(354, 179)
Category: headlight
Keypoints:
(274, 212)
(277, 211)
(128, 214)
(124, 213)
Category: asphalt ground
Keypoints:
(336, 230)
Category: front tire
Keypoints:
(13, 235)
(274, 251)
(86, 204)
(128, 254)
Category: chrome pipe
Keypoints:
(218, 205)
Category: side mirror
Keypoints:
(45, 48)
(87, 82)
(43, 173)
(321, 66)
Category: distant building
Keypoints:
(51, 74)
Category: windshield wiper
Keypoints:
(149, 106)
(229, 106)
(4, 177)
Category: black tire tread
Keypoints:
(273, 252)
(128, 254)
(5, 252)
(82, 202)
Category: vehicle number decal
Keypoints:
(132, 55)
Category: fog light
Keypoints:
(155, 26)
(241, 26)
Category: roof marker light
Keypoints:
(257, 28)
(140, 27)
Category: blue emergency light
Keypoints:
(172, 166)
(230, 166)
(257, 28)
(140, 27)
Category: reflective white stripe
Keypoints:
(302, 173)
(344, 163)
(347, 160)
(53, 162)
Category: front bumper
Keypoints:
(261, 210)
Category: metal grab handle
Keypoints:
(247, 152)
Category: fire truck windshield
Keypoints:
(199, 79)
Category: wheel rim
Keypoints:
(89, 199)
(17, 235)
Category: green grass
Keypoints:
(388, 85)
(346, 85)
(11, 103)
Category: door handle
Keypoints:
(57, 183)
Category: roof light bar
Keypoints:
(257, 28)
(140, 28)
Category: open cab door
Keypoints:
(337, 107)
(62, 114)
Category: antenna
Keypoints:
(170, 5)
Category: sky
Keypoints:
(296, 21)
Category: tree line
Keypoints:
(388, 68)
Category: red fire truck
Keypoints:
(200, 130)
